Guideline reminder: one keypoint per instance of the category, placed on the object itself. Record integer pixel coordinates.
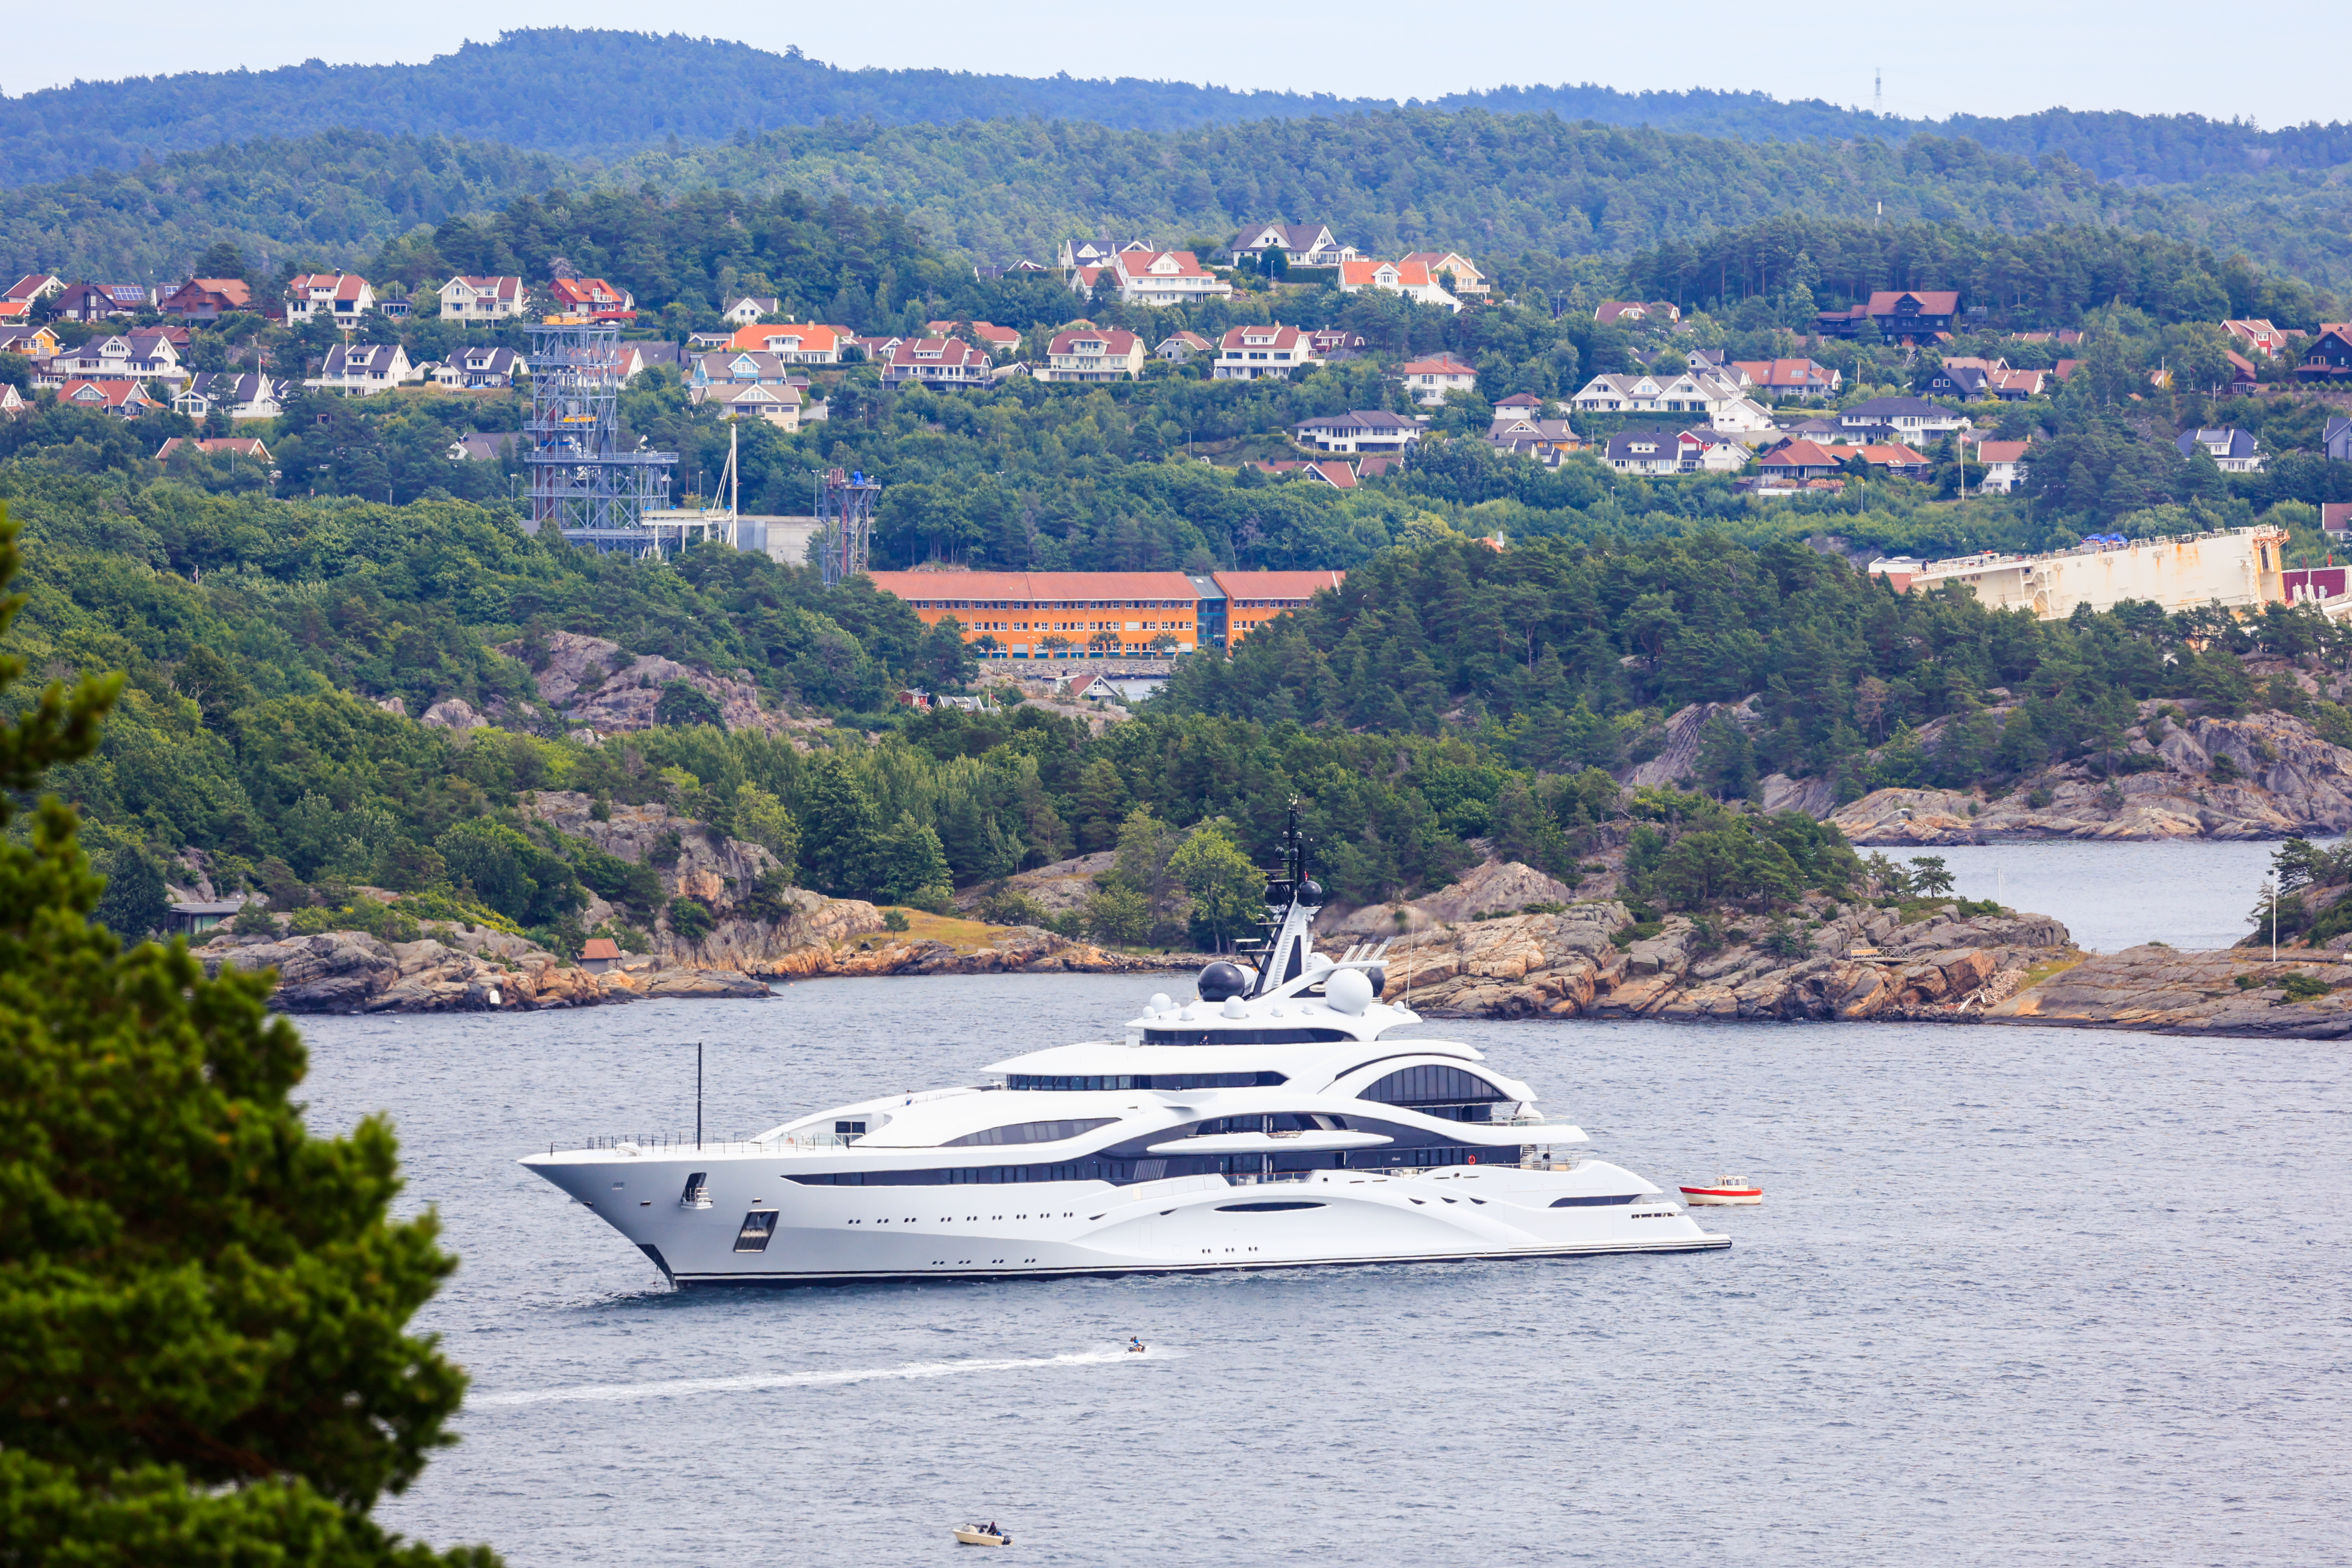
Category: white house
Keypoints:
(1156, 278)
(1727, 407)
(339, 297)
(1178, 347)
(1901, 416)
(751, 307)
(241, 395)
(2233, 451)
(779, 406)
(1645, 452)
(365, 369)
(1093, 353)
(1708, 452)
(1253, 353)
(1443, 264)
(478, 301)
(1429, 380)
(1358, 430)
(1302, 244)
(1411, 279)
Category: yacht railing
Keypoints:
(684, 1142)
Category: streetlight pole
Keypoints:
(2273, 885)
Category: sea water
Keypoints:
(2013, 1295)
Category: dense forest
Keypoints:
(590, 93)
(1518, 191)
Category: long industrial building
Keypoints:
(1106, 614)
(2239, 568)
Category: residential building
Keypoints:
(1429, 380)
(1057, 614)
(1802, 460)
(799, 343)
(593, 297)
(1001, 342)
(12, 402)
(1714, 394)
(2335, 440)
(1520, 406)
(249, 446)
(1339, 475)
(1253, 352)
(483, 301)
(139, 356)
(1098, 252)
(1360, 430)
(1904, 417)
(206, 298)
(1255, 598)
(1331, 343)
(2258, 336)
(2336, 517)
(1788, 378)
(2238, 569)
(339, 297)
(938, 361)
(485, 368)
(365, 369)
(1179, 347)
(2328, 356)
(1300, 244)
(1895, 459)
(1544, 440)
(97, 301)
(1443, 265)
(1411, 279)
(1644, 452)
(239, 393)
(751, 308)
(1901, 316)
(34, 286)
(124, 399)
(2233, 451)
(490, 446)
(32, 343)
(1156, 278)
(1707, 452)
(1091, 354)
(742, 367)
(1634, 312)
(877, 351)
(778, 406)
(2244, 379)
(2005, 466)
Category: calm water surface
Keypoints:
(2113, 896)
(2015, 1295)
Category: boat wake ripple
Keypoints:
(760, 1381)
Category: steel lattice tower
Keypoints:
(581, 482)
(844, 515)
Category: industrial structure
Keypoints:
(2238, 568)
(582, 482)
(844, 515)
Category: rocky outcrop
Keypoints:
(350, 972)
(1590, 962)
(1022, 949)
(591, 683)
(1498, 887)
(2154, 988)
(453, 713)
(1056, 890)
(1678, 742)
(2279, 779)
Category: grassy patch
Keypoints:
(953, 929)
(2049, 969)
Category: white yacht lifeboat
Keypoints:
(1727, 1192)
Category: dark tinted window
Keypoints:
(1243, 1036)
(1029, 1132)
(1433, 1086)
(1603, 1201)
(1263, 1208)
(1150, 1080)
(757, 1230)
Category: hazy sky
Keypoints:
(1996, 56)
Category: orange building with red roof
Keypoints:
(1254, 598)
(1058, 615)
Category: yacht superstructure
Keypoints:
(1265, 1123)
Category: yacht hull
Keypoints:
(751, 1225)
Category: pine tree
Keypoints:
(201, 1306)
(840, 832)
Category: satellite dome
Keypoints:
(1221, 980)
(1310, 892)
(1348, 991)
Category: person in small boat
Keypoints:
(1134, 1345)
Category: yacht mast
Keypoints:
(1292, 901)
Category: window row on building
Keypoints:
(1105, 615)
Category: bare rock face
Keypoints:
(1678, 757)
(1498, 887)
(592, 684)
(453, 713)
(2280, 779)
(1020, 949)
(2153, 987)
(1862, 963)
(1057, 888)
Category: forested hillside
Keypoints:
(593, 94)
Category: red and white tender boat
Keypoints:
(1727, 1192)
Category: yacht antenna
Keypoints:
(697, 1094)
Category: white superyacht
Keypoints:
(1266, 1123)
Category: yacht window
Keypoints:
(1030, 1133)
(1445, 1092)
(1601, 1200)
(848, 1129)
(1244, 1037)
(1264, 1208)
(694, 1185)
(1149, 1080)
(758, 1228)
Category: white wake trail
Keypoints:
(759, 1381)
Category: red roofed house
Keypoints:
(1906, 317)
(1253, 352)
(1178, 347)
(2257, 336)
(34, 286)
(1801, 460)
(206, 298)
(2004, 464)
(1254, 598)
(594, 298)
(125, 399)
(1789, 377)
(242, 446)
(1442, 264)
(478, 302)
(1092, 353)
(1429, 380)
(938, 361)
(339, 297)
(996, 339)
(1057, 614)
(1895, 459)
(2336, 517)
(797, 342)
(1411, 279)
(1338, 475)
(1162, 277)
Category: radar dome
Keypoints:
(1348, 991)
(1221, 980)
(1310, 892)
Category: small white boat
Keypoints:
(977, 1535)
(1727, 1192)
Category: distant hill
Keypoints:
(604, 95)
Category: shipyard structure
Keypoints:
(2238, 568)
